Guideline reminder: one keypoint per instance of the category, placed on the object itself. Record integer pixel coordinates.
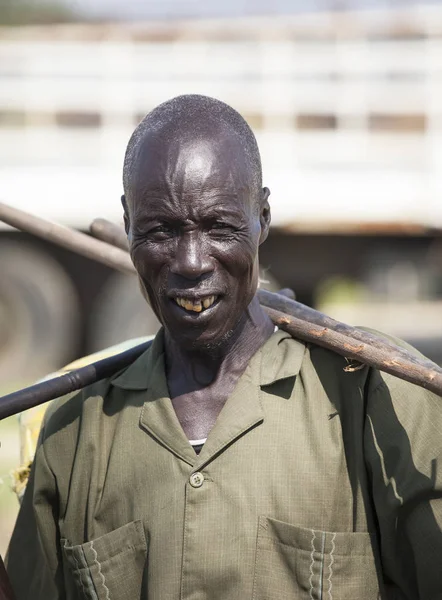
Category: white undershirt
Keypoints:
(197, 442)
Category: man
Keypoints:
(229, 461)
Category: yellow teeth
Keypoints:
(197, 305)
(208, 301)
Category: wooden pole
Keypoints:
(300, 321)
(384, 360)
(305, 313)
(66, 237)
(390, 359)
(111, 233)
(106, 231)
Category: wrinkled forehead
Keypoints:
(189, 162)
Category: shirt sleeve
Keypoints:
(403, 449)
(33, 558)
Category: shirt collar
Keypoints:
(137, 376)
(281, 357)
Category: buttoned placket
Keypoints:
(241, 413)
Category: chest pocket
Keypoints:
(307, 564)
(110, 567)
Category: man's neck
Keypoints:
(191, 370)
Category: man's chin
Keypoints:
(201, 341)
(208, 330)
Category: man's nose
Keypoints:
(191, 259)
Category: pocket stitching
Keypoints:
(268, 542)
(92, 587)
(339, 538)
(78, 568)
(305, 551)
(84, 557)
(312, 563)
(103, 579)
(135, 527)
(140, 544)
(330, 567)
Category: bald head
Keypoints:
(190, 119)
(195, 214)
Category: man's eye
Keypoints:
(161, 231)
(221, 226)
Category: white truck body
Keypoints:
(347, 112)
(347, 109)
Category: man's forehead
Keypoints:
(196, 208)
(186, 134)
(191, 159)
(194, 183)
(173, 143)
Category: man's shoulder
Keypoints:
(67, 409)
(337, 366)
(391, 383)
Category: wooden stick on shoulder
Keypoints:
(390, 358)
(300, 321)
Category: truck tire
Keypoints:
(39, 314)
(120, 313)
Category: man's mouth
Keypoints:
(193, 305)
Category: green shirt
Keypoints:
(315, 483)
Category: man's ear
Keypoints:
(264, 214)
(126, 214)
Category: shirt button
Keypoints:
(196, 480)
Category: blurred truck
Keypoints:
(347, 109)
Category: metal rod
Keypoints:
(69, 382)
